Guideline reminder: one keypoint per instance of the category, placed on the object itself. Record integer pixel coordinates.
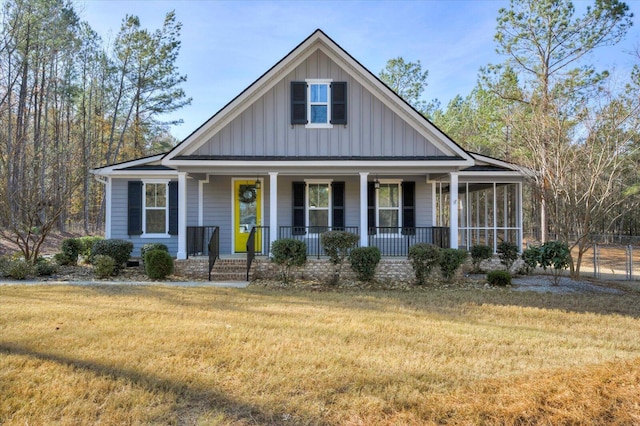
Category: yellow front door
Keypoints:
(247, 207)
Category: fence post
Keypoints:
(629, 262)
(596, 272)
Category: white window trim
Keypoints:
(145, 234)
(399, 208)
(328, 124)
(307, 208)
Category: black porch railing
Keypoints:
(258, 242)
(310, 235)
(394, 241)
(198, 238)
(213, 248)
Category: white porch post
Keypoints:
(273, 207)
(107, 206)
(182, 215)
(453, 210)
(364, 229)
(519, 219)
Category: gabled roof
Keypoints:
(317, 40)
(145, 164)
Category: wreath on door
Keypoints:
(248, 195)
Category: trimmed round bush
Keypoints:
(62, 259)
(86, 244)
(508, 253)
(72, 248)
(104, 266)
(480, 252)
(424, 257)
(152, 246)
(364, 261)
(119, 250)
(158, 264)
(288, 253)
(499, 278)
(19, 269)
(45, 267)
(450, 260)
(531, 258)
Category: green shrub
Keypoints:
(337, 245)
(152, 246)
(104, 266)
(4, 266)
(500, 278)
(480, 252)
(19, 269)
(86, 244)
(119, 250)
(364, 261)
(556, 255)
(424, 257)
(508, 253)
(288, 254)
(158, 264)
(62, 259)
(71, 247)
(45, 267)
(450, 260)
(531, 259)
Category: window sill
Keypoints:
(319, 126)
(155, 236)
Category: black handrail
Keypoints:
(214, 248)
(251, 249)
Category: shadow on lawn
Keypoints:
(189, 399)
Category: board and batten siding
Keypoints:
(119, 188)
(372, 129)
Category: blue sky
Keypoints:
(226, 45)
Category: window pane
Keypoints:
(150, 193)
(388, 195)
(318, 218)
(156, 221)
(161, 195)
(319, 114)
(155, 194)
(388, 218)
(319, 93)
(319, 195)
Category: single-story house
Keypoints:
(317, 143)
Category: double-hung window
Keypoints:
(318, 206)
(155, 207)
(389, 207)
(319, 107)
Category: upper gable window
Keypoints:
(319, 108)
(318, 103)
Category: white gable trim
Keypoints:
(154, 160)
(318, 40)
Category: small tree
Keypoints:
(364, 261)
(450, 261)
(288, 253)
(424, 257)
(556, 255)
(337, 245)
(531, 258)
(508, 253)
(479, 253)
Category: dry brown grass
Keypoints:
(168, 355)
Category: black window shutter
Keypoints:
(408, 208)
(298, 102)
(298, 208)
(134, 208)
(339, 102)
(337, 192)
(173, 208)
(371, 208)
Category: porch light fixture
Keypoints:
(376, 183)
(258, 184)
